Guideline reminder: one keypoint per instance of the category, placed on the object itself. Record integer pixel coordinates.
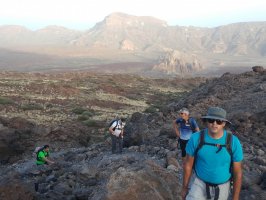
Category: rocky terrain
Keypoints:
(148, 168)
(177, 63)
(74, 109)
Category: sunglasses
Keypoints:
(211, 121)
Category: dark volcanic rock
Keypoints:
(131, 175)
(149, 167)
(258, 69)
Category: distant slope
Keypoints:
(126, 38)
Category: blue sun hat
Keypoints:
(216, 113)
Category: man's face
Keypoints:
(46, 149)
(215, 126)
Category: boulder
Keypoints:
(257, 69)
(151, 182)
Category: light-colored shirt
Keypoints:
(119, 127)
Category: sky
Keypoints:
(84, 14)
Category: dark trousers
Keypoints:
(116, 140)
(183, 144)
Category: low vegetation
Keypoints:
(4, 100)
(59, 97)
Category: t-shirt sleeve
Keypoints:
(237, 150)
(179, 120)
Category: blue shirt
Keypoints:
(186, 129)
(210, 166)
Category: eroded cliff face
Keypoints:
(178, 63)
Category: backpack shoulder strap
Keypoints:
(228, 144)
(229, 138)
(201, 143)
(117, 122)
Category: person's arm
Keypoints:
(176, 129)
(48, 161)
(111, 130)
(188, 165)
(237, 179)
(45, 159)
(196, 129)
(122, 132)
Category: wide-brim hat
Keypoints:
(216, 113)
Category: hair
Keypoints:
(46, 146)
(123, 119)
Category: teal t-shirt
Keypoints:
(210, 166)
(41, 155)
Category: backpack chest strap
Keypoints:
(219, 146)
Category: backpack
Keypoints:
(113, 122)
(227, 145)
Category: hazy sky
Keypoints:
(83, 14)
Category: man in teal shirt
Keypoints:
(212, 162)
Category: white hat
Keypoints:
(184, 110)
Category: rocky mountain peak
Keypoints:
(122, 19)
(176, 62)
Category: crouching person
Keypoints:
(41, 161)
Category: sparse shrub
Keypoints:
(83, 117)
(31, 106)
(48, 105)
(78, 110)
(88, 113)
(5, 100)
(90, 123)
(151, 109)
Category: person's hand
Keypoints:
(51, 162)
(184, 192)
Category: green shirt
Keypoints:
(41, 155)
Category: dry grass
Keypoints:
(51, 98)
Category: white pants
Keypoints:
(198, 190)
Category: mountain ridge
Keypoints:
(144, 39)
